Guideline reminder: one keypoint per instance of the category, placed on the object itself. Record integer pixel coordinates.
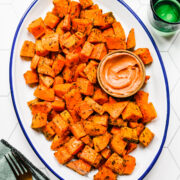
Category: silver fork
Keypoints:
(19, 169)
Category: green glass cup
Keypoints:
(164, 15)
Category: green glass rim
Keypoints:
(154, 12)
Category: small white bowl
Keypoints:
(100, 69)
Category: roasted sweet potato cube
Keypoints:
(100, 119)
(115, 109)
(101, 142)
(62, 10)
(72, 59)
(46, 70)
(108, 20)
(63, 38)
(131, 147)
(37, 28)
(67, 74)
(118, 30)
(129, 164)
(31, 77)
(39, 120)
(86, 51)
(62, 7)
(79, 166)
(83, 109)
(146, 137)
(43, 107)
(131, 112)
(46, 80)
(60, 125)
(51, 42)
(46, 94)
(51, 20)
(85, 87)
(116, 130)
(66, 26)
(82, 25)
(91, 71)
(86, 3)
(115, 43)
(62, 89)
(58, 64)
(74, 145)
(28, 49)
(149, 113)
(131, 41)
(95, 15)
(145, 55)
(34, 62)
(106, 153)
(58, 80)
(58, 105)
(72, 98)
(77, 130)
(94, 129)
(105, 173)
(74, 115)
(139, 127)
(70, 42)
(115, 162)
(99, 51)
(91, 156)
(100, 96)
(141, 98)
(48, 130)
(80, 71)
(108, 32)
(117, 144)
(30, 103)
(45, 61)
(95, 36)
(66, 116)
(59, 29)
(87, 140)
(40, 50)
(59, 141)
(117, 122)
(81, 37)
(75, 9)
(95, 106)
(129, 134)
(62, 155)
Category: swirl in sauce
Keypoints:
(121, 73)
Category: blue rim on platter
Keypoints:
(162, 66)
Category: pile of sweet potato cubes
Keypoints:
(88, 128)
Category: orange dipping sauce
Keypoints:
(121, 74)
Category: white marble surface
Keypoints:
(168, 164)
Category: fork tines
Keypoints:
(15, 165)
